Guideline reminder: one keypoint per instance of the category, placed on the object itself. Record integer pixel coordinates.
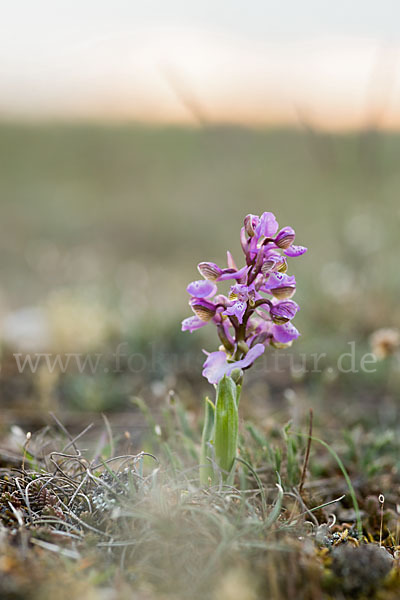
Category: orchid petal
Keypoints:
(294, 251)
(192, 323)
(216, 364)
(285, 333)
(202, 288)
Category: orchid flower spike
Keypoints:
(258, 311)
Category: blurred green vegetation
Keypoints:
(121, 215)
(99, 199)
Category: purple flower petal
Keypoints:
(192, 323)
(283, 311)
(250, 223)
(242, 292)
(268, 225)
(285, 237)
(216, 364)
(237, 309)
(285, 333)
(271, 262)
(295, 251)
(250, 357)
(202, 308)
(209, 270)
(202, 288)
(230, 261)
(231, 274)
(277, 280)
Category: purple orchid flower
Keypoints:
(237, 310)
(267, 226)
(217, 365)
(239, 295)
(248, 320)
(280, 285)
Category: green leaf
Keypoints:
(226, 425)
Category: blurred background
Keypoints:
(135, 137)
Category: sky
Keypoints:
(335, 64)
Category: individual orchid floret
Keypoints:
(237, 310)
(280, 285)
(283, 311)
(273, 261)
(239, 295)
(278, 335)
(267, 226)
(217, 364)
(242, 292)
(250, 224)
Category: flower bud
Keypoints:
(250, 223)
(230, 261)
(261, 338)
(244, 242)
(243, 347)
